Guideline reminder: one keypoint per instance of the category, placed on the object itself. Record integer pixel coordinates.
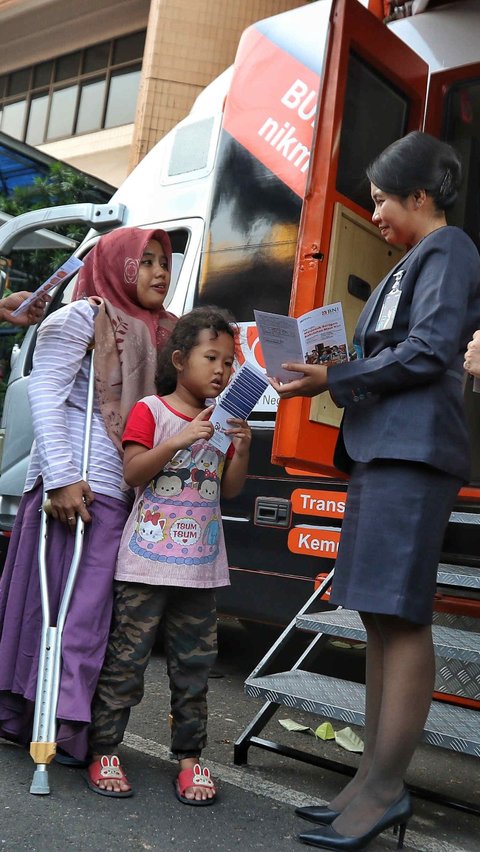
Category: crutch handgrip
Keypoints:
(47, 506)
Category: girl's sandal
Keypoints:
(196, 777)
(108, 768)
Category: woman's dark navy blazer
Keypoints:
(403, 398)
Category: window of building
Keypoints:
(96, 58)
(62, 113)
(13, 119)
(122, 98)
(78, 92)
(42, 74)
(37, 120)
(90, 110)
(18, 82)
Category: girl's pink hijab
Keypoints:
(127, 336)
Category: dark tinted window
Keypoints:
(96, 57)
(19, 82)
(375, 114)
(42, 74)
(67, 66)
(462, 130)
(129, 48)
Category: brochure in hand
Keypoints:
(70, 266)
(238, 400)
(317, 337)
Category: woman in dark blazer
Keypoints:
(404, 442)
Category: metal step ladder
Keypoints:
(448, 725)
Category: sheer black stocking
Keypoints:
(400, 678)
(373, 702)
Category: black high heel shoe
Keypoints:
(318, 813)
(397, 814)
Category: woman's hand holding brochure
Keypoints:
(32, 314)
(313, 381)
(65, 271)
(297, 350)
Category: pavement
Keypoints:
(256, 801)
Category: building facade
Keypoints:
(97, 83)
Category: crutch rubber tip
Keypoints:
(39, 785)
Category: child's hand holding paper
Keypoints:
(237, 402)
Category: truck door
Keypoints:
(372, 92)
(453, 114)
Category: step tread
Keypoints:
(464, 576)
(448, 726)
(449, 642)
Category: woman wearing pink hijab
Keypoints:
(118, 309)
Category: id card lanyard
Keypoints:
(390, 303)
(388, 311)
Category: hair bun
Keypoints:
(418, 161)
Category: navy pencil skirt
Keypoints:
(391, 540)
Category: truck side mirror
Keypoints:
(358, 287)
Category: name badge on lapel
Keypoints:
(390, 303)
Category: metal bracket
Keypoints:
(102, 217)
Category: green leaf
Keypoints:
(325, 731)
(348, 739)
(290, 725)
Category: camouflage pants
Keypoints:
(190, 626)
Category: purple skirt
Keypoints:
(87, 624)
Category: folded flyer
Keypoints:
(67, 269)
(318, 337)
(238, 400)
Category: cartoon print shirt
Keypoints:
(174, 535)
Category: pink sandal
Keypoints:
(108, 768)
(194, 777)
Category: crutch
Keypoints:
(43, 746)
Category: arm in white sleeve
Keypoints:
(61, 347)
